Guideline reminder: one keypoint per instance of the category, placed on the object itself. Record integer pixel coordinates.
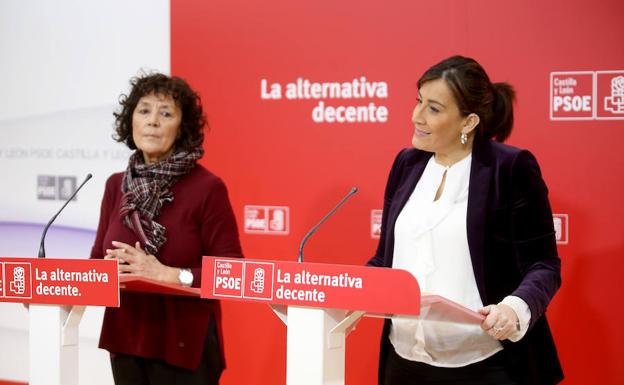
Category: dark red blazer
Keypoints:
(198, 222)
(511, 239)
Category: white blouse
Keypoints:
(431, 242)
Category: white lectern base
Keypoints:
(315, 351)
(53, 344)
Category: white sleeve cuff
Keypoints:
(524, 315)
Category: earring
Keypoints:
(463, 138)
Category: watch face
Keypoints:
(185, 277)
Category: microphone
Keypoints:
(309, 234)
(45, 229)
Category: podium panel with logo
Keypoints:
(57, 291)
(320, 303)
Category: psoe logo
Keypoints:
(51, 187)
(610, 95)
(375, 223)
(561, 228)
(17, 278)
(267, 220)
(587, 95)
(572, 95)
(228, 278)
(259, 280)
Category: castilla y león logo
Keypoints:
(587, 95)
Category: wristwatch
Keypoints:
(185, 276)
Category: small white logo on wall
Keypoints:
(587, 95)
(375, 225)
(561, 228)
(46, 187)
(571, 95)
(51, 187)
(66, 187)
(610, 94)
(267, 220)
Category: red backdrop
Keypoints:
(271, 152)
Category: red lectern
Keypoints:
(319, 303)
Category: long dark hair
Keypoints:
(475, 93)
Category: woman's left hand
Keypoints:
(500, 322)
(135, 261)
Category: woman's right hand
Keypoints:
(500, 322)
(134, 261)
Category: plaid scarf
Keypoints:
(146, 187)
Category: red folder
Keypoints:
(443, 309)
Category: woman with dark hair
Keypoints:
(158, 218)
(470, 218)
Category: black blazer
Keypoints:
(511, 239)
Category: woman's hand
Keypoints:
(135, 261)
(500, 322)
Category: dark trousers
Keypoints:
(490, 371)
(133, 370)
